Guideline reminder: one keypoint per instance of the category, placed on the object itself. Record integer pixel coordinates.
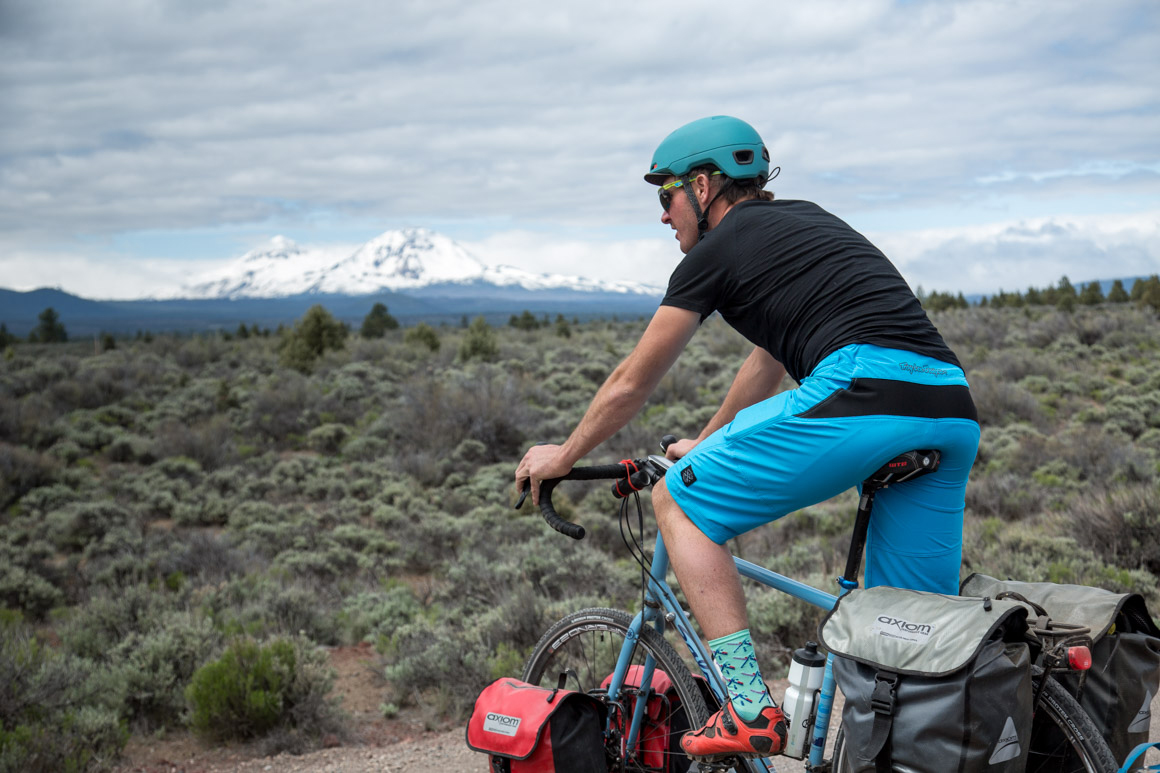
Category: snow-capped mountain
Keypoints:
(409, 260)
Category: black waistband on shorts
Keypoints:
(887, 397)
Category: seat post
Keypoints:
(849, 578)
(902, 468)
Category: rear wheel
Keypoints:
(585, 647)
(1063, 738)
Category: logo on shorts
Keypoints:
(687, 476)
(925, 370)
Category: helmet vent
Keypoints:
(765, 153)
(743, 157)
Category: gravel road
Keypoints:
(423, 753)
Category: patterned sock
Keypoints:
(733, 654)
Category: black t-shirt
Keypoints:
(801, 284)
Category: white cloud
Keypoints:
(109, 277)
(1036, 252)
(512, 119)
(649, 261)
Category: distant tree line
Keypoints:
(318, 331)
(527, 321)
(1062, 295)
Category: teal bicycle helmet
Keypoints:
(727, 143)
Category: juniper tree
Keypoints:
(378, 322)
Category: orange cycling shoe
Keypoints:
(727, 735)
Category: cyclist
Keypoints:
(874, 379)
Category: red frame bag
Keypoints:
(529, 729)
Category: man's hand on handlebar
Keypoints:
(540, 463)
(676, 450)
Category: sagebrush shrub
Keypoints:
(1121, 525)
(24, 587)
(279, 408)
(293, 496)
(154, 667)
(22, 471)
(376, 614)
(210, 443)
(56, 714)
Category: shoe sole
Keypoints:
(725, 757)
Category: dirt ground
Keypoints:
(379, 745)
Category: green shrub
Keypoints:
(479, 342)
(422, 335)
(377, 322)
(255, 689)
(315, 333)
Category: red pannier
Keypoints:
(529, 729)
(658, 747)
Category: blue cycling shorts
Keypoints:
(862, 406)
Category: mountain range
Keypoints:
(419, 274)
(414, 261)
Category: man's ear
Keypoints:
(704, 189)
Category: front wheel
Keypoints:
(1063, 738)
(585, 646)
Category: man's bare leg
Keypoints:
(704, 569)
(712, 586)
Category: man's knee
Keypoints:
(668, 512)
(662, 501)
(670, 517)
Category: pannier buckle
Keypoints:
(882, 699)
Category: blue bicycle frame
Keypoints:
(661, 607)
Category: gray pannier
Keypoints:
(1117, 691)
(931, 677)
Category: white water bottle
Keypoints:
(805, 679)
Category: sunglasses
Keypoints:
(665, 192)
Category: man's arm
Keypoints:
(757, 379)
(619, 399)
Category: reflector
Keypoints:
(1079, 658)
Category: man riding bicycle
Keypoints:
(875, 379)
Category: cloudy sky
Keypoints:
(982, 145)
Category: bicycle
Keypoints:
(596, 647)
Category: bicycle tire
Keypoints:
(1063, 737)
(586, 645)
